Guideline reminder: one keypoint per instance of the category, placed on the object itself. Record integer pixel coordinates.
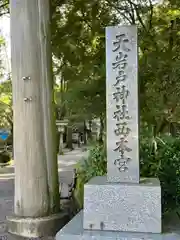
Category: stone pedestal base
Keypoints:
(74, 231)
(122, 206)
(37, 227)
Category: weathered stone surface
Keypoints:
(122, 104)
(36, 227)
(7, 236)
(123, 206)
(74, 230)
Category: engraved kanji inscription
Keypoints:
(121, 77)
(121, 42)
(122, 164)
(121, 113)
(122, 129)
(121, 93)
(120, 61)
(122, 147)
(121, 47)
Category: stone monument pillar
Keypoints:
(120, 205)
(122, 202)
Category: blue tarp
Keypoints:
(4, 135)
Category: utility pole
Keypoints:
(37, 200)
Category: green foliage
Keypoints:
(4, 7)
(78, 40)
(159, 157)
(94, 165)
(4, 157)
(159, 68)
(79, 43)
(6, 113)
(2, 43)
(5, 86)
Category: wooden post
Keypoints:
(36, 170)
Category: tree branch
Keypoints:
(120, 9)
(4, 5)
(151, 14)
(138, 15)
(132, 15)
(4, 8)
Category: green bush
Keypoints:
(159, 157)
(94, 165)
(4, 157)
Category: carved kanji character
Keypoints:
(121, 42)
(121, 61)
(121, 77)
(122, 129)
(122, 164)
(121, 113)
(122, 147)
(121, 93)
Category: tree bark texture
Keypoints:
(36, 171)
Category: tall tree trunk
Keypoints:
(173, 129)
(85, 134)
(101, 132)
(57, 141)
(90, 131)
(36, 174)
(69, 138)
